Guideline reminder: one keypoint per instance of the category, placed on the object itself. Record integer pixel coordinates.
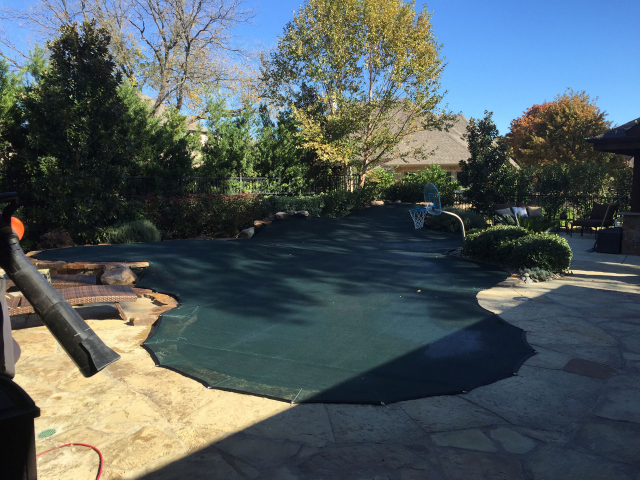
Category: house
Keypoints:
(448, 149)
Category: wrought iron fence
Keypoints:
(181, 186)
(575, 206)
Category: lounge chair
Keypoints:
(79, 296)
(601, 216)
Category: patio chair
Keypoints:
(18, 305)
(601, 216)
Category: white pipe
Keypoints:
(460, 220)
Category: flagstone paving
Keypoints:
(571, 412)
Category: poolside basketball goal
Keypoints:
(432, 206)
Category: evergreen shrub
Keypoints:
(515, 247)
(141, 230)
(487, 244)
(410, 188)
(210, 215)
(341, 203)
(548, 252)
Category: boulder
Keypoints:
(377, 202)
(117, 274)
(280, 216)
(302, 214)
(248, 233)
(398, 201)
(261, 223)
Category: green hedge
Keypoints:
(225, 216)
(548, 252)
(486, 245)
(516, 248)
(339, 204)
(196, 215)
(447, 223)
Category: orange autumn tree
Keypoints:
(554, 132)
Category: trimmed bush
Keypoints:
(487, 244)
(548, 252)
(515, 247)
(447, 223)
(131, 232)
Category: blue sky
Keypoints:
(506, 55)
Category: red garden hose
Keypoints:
(83, 445)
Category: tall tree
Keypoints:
(555, 132)
(172, 46)
(376, 67)
(230, 149)
(71, 170)
(488, 175)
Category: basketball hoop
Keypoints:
(418, 215)
(432, 206)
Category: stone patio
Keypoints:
(572, 412)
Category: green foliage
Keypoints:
(376, 67)
(75, 154)
(530, 224)
(410, 188)
(549, 252)
(488, 176)
(230, 149)
(380, 179)
(141, 230)
(487, 244)
(538, 274)
(515, 247)
(341, 203)
(447, 223)
(312, 204)
(159, 146)
(196, 215)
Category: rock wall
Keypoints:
(631, 235)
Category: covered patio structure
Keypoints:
(625, 140)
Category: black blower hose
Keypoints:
(77, 339)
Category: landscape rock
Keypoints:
(261, 223)
(248, 233)
(280, 216)
(377, 202)
(302, 214)
(398, 201)
(117, 274)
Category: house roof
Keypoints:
(449, 146)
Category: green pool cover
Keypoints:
(362, 309)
